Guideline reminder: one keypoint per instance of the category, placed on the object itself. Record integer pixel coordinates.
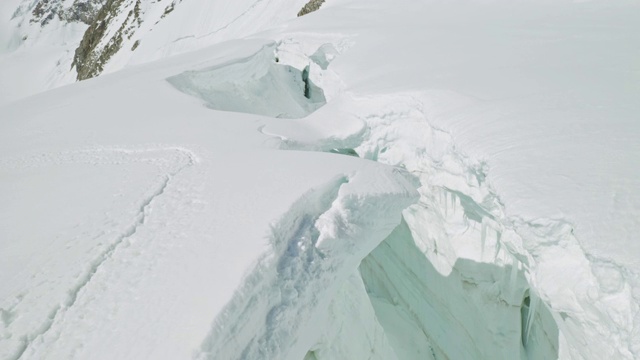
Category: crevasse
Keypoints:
(456, 279)
(442, 284)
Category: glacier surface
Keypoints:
(195, 200)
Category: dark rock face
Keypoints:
(83, 11)
(108, 32)
(111, 24)
(93, 53)
(311, 6)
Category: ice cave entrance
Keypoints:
(258, 85)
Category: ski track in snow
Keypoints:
(180, 159)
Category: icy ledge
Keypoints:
(316, 246)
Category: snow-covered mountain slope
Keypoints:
(67, 40)
(203, 205)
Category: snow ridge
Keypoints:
(317, 245)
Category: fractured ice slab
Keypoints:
(255, 85)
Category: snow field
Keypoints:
(87, 243)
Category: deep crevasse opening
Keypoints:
(473, 312)
(398, 305)
(457, 278)
(445, 284)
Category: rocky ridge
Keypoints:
(83, 11)
(109, 32)
(98, 45)
(309, 7)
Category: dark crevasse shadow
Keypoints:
(477, 311)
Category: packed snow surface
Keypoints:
(197, 201)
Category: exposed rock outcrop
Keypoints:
(112, 29)
(100, 42)
(84, 11)
(311, 6)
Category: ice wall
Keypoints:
(256, 85)
(451, 281)
(477, 311)
(316, 247)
